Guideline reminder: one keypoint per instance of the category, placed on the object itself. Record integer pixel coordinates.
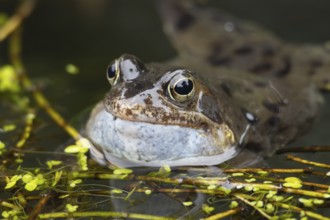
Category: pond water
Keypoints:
(90, 34)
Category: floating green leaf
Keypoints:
(73, 183)
(233, 204)
(72, 69)
(32, 185)
(188, 203)
(52, 163)
(120, 171)
(8, 79)
(292, 182)
(57, 177)
(71, 208)
(12, 181)
(27, 178)
(9, 127)
(72, 149)
(207, 209)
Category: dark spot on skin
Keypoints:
(215, 58)
(182, 118)
(147, 101)
(271, 106)
(260, 84)
(218, 61)
(128, 112)
(216, 48)
(262, 67)
(114, 118)
(253, 146)
(273, 121)
(314, 65)
(285, 69)
(248, 90)
(244, 50)
(226, 89)
(204, 126)
(268, 52)
(185, 21)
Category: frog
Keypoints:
(234, 89)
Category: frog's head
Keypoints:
(155, 114)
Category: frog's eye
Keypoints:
(181, 87)
(113, 72)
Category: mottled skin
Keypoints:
(251, 91)
(216, 44)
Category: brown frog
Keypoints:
(233, 88)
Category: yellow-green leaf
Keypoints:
(117, 191)
(120, 171)
(12, 181)
(318, 201)
(52, 163)
(72, 69)
(187, 203)
(2, 145)
(75, 182)
(9, 127)
(306, 202)
(148, 192)
(72, 149)
(292, 182)
(57, 177)
(269, 208)
(71, 208)
(27, 178)
(8, 79)
(237, 174)
(207, 209)
(233, 204)
(31, 186)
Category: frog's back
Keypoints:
(275, 82)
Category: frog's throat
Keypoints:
(128, 143)
(190, 161)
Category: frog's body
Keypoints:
(233, 87)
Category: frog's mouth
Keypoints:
(130, 143)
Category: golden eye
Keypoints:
(181, 87)
(113, 72)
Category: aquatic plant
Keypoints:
(68, 188)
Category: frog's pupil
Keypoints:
(184, 87)
(111, 71)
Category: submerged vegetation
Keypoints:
(69, 185)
